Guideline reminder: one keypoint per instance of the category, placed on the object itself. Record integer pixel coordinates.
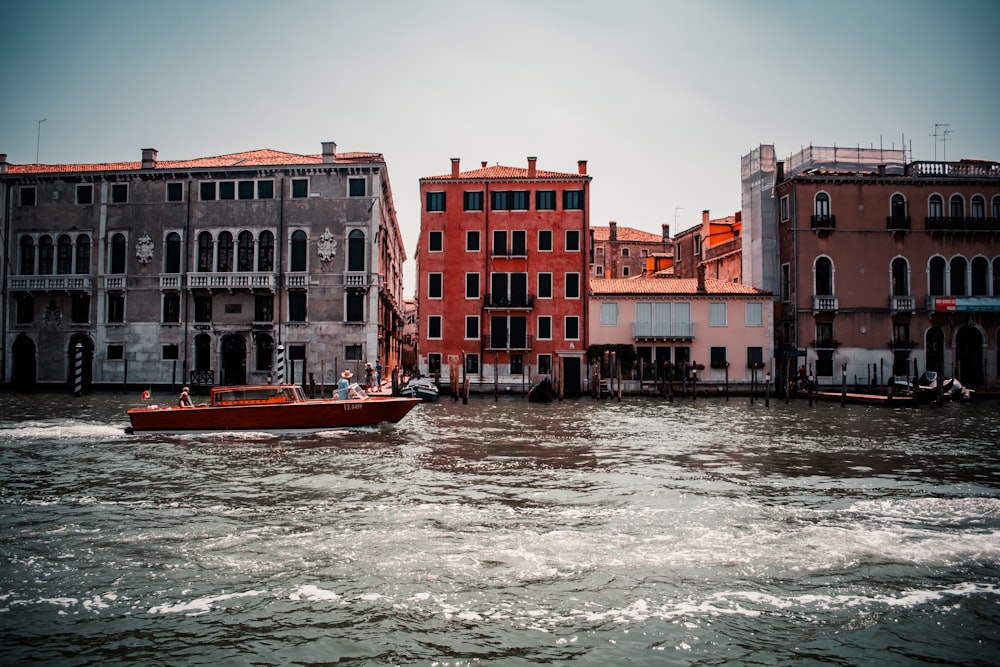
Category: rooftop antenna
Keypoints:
(38, 140)
(676, 208)
(944, 144)
(937, 134)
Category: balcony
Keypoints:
(822, 221)
(50, 283)
(897, 223)
(663, 330)
(825, 303)
(504, 342)
(171, 282)
(902, 304)
(360, 279)
(961, 224)
(510, 301)
(510, 253)
(230, 281)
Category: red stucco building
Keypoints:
(502, 267)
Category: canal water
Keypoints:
(582, 532)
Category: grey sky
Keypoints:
(661, 98)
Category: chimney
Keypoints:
(581, 166)
(329, 152)
(531, 166)
(881, 170)
(3, 163)
(455, 166)
(483, 164)
(612, 231)
(780, 170)
(666, 233)
(149, 158)
(704, 219)
(701, 277)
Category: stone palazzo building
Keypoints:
(253, 267)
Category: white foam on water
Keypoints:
(202, 605)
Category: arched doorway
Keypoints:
(25, 364)
(234, 360)
(202, 373)
(969, 356)
(87, 369)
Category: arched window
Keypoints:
(45, 255)
(900, 277)
(204, 252)
(118, 248)
(172, 253)
(27, 256)
(977, 207)
(822, 206)
(897, 209)
(956, 206)
(824, 277)
(958, 267)
(83, 254)
(935, 206)
(937, 271)
(995, 208)
(64, 255)
(265, 251)
(224, 261)
(244, 251)
(356, 251)
(980, 276)
(298, 259)
(996, 276)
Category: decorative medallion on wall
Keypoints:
(327, 245)
(144, 249)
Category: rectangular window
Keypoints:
(265, 189)
(227, 190)
(434, 285)
(545, 240)
(116, 352)
(356, 187)
(786, 281)
(296, 306)
(472, 240)
(24, 304)
(85, 194)
(434, 363)
(572, 285)
(572, 240)
(473, 200)
(471, 285)
(519, 200)
(81, 308)
(544, 364)
(171, 308)
(755, 357)
(352, 352)
(245, 190)
(175, 192)
(28, 196)
(609, 314)
(499, 242)
(170, 352)
(435, 201)
(116, 308)
(355, 304)
(300, 188)
(263, 308)
(572, 327)
(499, 200)
(544, 285)
(519, 243)
(434, 327)
(784, 208)
(545, 200)
(544, 327)
(516, 364)
(471, 363)
(119, 193)
(717, 314)
(755, 314)
(206, 190)
(718, 356)
(435, 241)
(203, 309)
(472, 327)
(572, 200)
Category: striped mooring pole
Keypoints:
(279, 368)
(78, 369)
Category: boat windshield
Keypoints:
(356, 392)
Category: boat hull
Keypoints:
(299, 417)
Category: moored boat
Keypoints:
(542, 391)
(280, 408)
(423, 388)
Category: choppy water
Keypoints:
(505, 533)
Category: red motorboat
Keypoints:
(278, 408)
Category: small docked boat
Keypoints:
(542, 391)
(279, 408)
(423, 388)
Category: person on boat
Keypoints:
(184, 400)
(343, 384)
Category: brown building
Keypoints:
(884, 267)
(624, 252)
(715, 245)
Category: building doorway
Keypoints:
(234, 360)
(571, 377)
(969, 356)
(25, 370)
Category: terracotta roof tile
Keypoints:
(500, 172)
(627, 235)
(257, 158)
(670, 287)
